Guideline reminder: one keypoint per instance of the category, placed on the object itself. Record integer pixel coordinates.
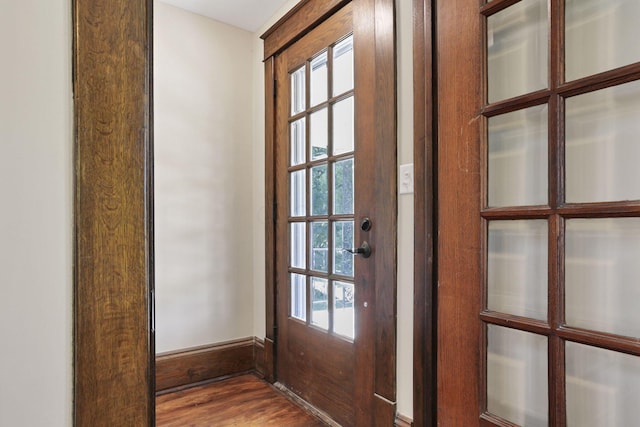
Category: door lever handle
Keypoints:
(364, 250)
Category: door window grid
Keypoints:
(558, 214)
(328, 171)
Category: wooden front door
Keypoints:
(539, 212)
(332, 234)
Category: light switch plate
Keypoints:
(405, 179)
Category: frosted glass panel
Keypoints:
(517, 376)
(343, 313)
(298, 193)
(319, 245)
(343, 126)
(517, 268)
(319, 79)
(298, 245)
(600, 35)
(343, 66)
(319, 194)
(517, 42)
(518, 161)
(343, 187)
(602, 275)
(298, 91)
(319, 134)
(343, 239)
(602, 387)
(298, 145)
(602, 146)
(320, 302)
(298, 296)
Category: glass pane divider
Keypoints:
(517, 212)
(618, 343)
(517, 103)
(516, 322)
(615, 77)
(495, 6)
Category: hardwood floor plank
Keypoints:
(239, 401)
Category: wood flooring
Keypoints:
(240, 401)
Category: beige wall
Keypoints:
(204, 228)
(36, 214)
(404, 32)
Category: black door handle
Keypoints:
(364, 250)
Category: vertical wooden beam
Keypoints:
(424, 150)
(270, 221)
(114, 349)
(459, 64)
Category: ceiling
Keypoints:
(249, 15)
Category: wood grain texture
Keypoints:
(459, 235)
(239, 401)
(424, 294)
(190, 366)
(113, 345)
(270, 220)
(375, 300)
(374, 47)
(302, 18)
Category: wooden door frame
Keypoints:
(372, 19)
(114, 350)
(425, 215)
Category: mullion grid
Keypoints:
(557, 211)
(555, 310)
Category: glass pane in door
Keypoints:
(298, 245)
(344, 316)
(298, 296)
(298, 193)
(298, 90)
(319, 134)
(319, 193)
(343, 239)
(517, 268)
(602, 148)
(320, 246)
(298, 142)
(343, 187)
(518, 161)
(319, 82)
(602, 275)
(517, 376)
(320, 302)
(343, 66)
(600, 35)
(602, 387)
(343, 126)
(517, 49)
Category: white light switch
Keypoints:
(405, 179)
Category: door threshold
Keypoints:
(323, 416)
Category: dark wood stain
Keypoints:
(204, 363)
(424, 150)
(375, 363)
(239, 401)
(302, 18)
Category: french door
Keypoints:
(539, 224)
(332, 233)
